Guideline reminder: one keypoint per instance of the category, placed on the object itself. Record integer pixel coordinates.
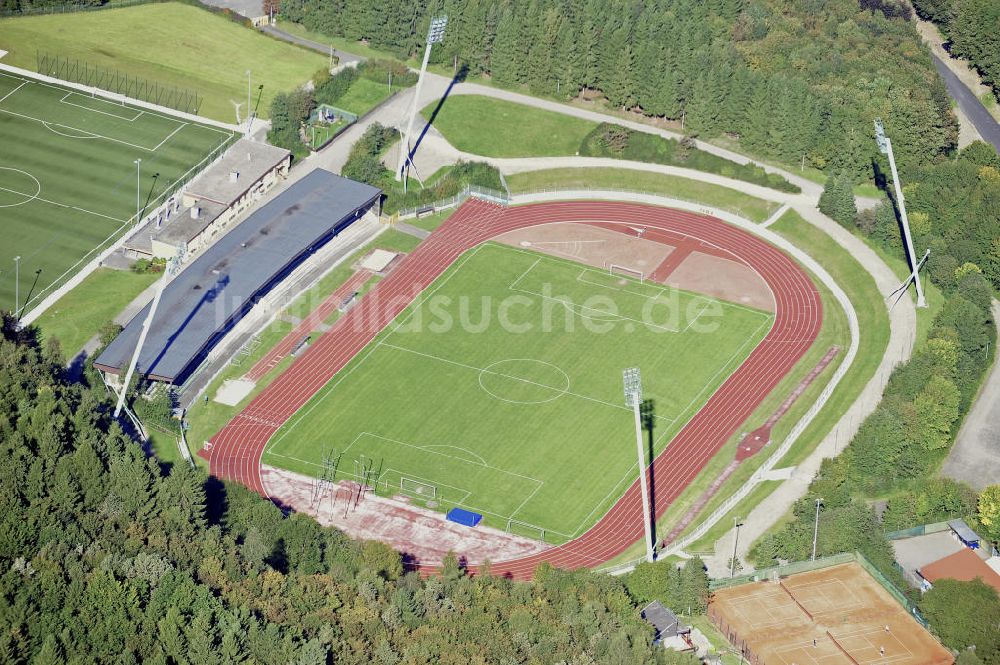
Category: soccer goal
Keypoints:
(417, 488)
(616, 269)
(526, 529)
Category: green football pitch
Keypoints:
(500, 389)
(68, 177)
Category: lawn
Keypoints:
(68, 177)
(503, 383)
(364, 95)
(685, 189)
(170, 44)
(79, 315)
(497, 128)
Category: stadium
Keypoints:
(489, 406)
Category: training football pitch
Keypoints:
(68, 177)
(500, 389)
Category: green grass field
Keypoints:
(171, 44)
(363, 95)
(79, 315)
(497, 128)
(686, 189)
(68, 176)
(503, 382)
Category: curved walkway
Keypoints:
(237, 449)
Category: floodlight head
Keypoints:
(435, 34)
(633, 386)
(883, 142)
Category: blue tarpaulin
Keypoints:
(464, 517)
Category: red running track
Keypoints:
(236, 450)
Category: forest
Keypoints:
(972, 28)
(108, 556)
(793, 81)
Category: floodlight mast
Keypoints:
(172, 267)
(885, 147)
(633, 398)
(435, 34)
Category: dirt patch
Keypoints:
(423, 536)
(588, 244)
(722, 278)
(833, 615)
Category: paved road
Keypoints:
(970, 105)
(975, 457)
(344, 56)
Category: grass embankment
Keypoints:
(873, 324)
(79, 315)
(205, 418)
(364, 95)
(644, 181)
(170, 44)
(497, 128)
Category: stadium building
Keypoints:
(202, 303)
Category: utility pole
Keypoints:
(633, 399)
(138, 194)
(435, 34)
(17, 288)
(248, 104)
(816, 527)
(885, 146)
(736, 539)
(173, 265)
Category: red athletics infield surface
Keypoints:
(236, 450)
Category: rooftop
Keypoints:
(964, 532)
(220, 286)
(663, 620)
(964, 565)
(249, 159)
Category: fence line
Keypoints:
(70, 8)
(116, 81)
(921, 530)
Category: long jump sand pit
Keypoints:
(832, 616)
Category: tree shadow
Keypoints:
(647, 416)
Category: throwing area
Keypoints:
(68, 176)
(832, 616)
(499, 389)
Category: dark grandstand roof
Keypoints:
(209, 296)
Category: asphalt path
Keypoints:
(970, 105)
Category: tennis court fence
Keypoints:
(777, 572)
(734, 638)
(116, 81)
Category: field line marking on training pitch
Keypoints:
(465, 450)
(92, 134)
(87, 108)
(103, 93)
(64, 205)
(370, 347)
(23, 83)
(169, 136)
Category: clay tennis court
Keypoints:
(832, 616)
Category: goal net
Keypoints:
(526, 530)
(616, 269)
(417, 488)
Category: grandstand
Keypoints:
(216, 290)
